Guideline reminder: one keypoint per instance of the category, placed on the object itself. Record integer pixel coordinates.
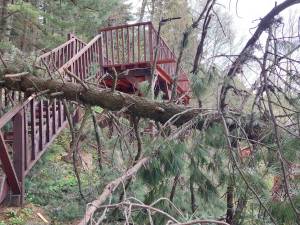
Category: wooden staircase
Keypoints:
(31, 124)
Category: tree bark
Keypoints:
(115, 101)
(175, 182)
(109, 189)
(3, 18)
(183, 46)
(229, 199)
(241, 205)
(192, 192)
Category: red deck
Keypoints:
(131, 48)
(31, 124)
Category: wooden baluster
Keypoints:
(87, 64)
(18, 152)
(85, 56)
(138, 42)
(128, 46)
(77, 69)
(62, 113)
(54, 117)
(48, 127)
(132, 44)
(26, 134)
(1, 99)
(118, 50)
(150, 42)
(106, 47)
(59, 114)
(90, 56)
(82, 65)
(112, 47)
(41, 125)
(123, 46)
(6, 98)
(100, 53)
(63, 56)
(33, 130)
(145, 53)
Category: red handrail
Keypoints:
(134, 44)
(81, 64)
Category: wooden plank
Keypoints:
(117, 45)
(48, 131)
(128, 46)
(54, 117)
(138, 42)
(124, 26)
(33, 129)
(59, 114)
(123, 46)
(133, 44)
(41, 125)
(19, 151)
(112, 47)
(106, 47)
(26, 153)
(145, 44)
(150, 43)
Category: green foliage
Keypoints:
(54, 185)
(214, 136)
(45, 23)
(24, 8)
(283, 211)
(168, 162)
(201, 81)
(17, 217)
(289, 145)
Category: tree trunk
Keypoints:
(192, 192)
(229, 197)
(3, 19)
(115, 101)
(142, 13)
(241, 205)
(175, 182)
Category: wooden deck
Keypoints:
(31, 124)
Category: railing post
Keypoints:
(70, 36)
(101, 54)
(19, 154)
(73, 44)
(150, 43)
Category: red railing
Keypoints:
(135, 44)
(57, 57)
(30, 124)
(86, 63)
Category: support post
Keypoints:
(18, 155)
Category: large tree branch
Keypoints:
(115, 101)
(264, 24)
(247, 51)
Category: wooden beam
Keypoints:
(8, 167)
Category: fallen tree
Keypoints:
(115, 101)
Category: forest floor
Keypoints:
(52, 195)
